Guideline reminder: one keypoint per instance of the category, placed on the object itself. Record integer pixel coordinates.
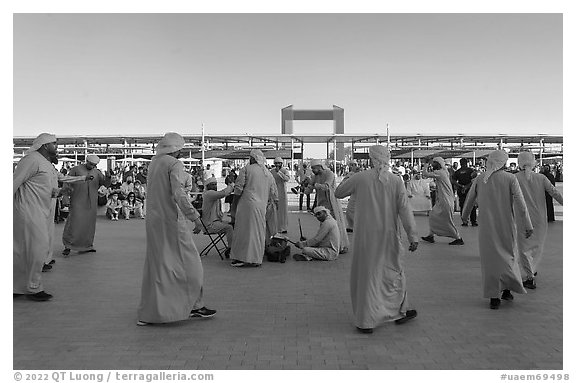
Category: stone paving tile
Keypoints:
(287, 316)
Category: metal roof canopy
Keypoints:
(398, 140)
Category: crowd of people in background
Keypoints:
(384, 194)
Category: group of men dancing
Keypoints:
(513, 214)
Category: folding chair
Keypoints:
(216, 242)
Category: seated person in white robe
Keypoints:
(326, 243)
(419, 193)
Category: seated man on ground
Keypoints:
(113, 207)
(132, 206)
(212, 210)
(325, 245)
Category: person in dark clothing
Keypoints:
(462, 179)
(230, 179)
(549, 203)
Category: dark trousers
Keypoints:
(461, 200)
(307, 201)
(549, 208)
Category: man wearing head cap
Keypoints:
(173, 275)
(253, 187)
(80, 226)
(419, 193)
(324, 182)
(35, 188)
(353, 169)
(500, 202)
(325, 244)
(534, 186)
(281, 176)
(441, 219)
(212, 210)
(377, 278)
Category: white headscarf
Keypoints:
(170, 143)
(316, 162)
(43, 138)
(441, 161)
(380, 156)
(258, 156)
(93, 158)
(527, 162)
(321, 208)
(496, 160)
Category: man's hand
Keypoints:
(413, 246)
(300, 244)
(198, 226)
(276, 203)
(529, 233)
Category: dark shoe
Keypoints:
(17, 295)
(529, 284)
(494, 303)
(39, 297)
(284, 232)
(46, 268)
(52, 262)
(247, 264)
(429, 238)
(227, 253)
(474, 223)
(507, 295)
(141, 323)
(66, 252)
(410, 314)
(202, 313)
(299, 257)
(365, 330)
(237, 263)
(349, 230)
(458, 241)
(464, 223)
(536, 274)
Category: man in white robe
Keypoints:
(500, 201)
(353, 169)
(281, 176)
(441, 217)
(80, 226)
(377, 278)
(419, 193)
(252, 189)
(173, 275)
(35, 188)
(325, 245)
(324, 182)
(534, 188)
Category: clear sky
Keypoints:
(78, 74)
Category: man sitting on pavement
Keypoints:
(212, 210)
(325, 245)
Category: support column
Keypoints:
(291, 155)
(335, 172)
(203, 141)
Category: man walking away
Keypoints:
(501, 200)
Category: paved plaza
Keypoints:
(295, 315)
